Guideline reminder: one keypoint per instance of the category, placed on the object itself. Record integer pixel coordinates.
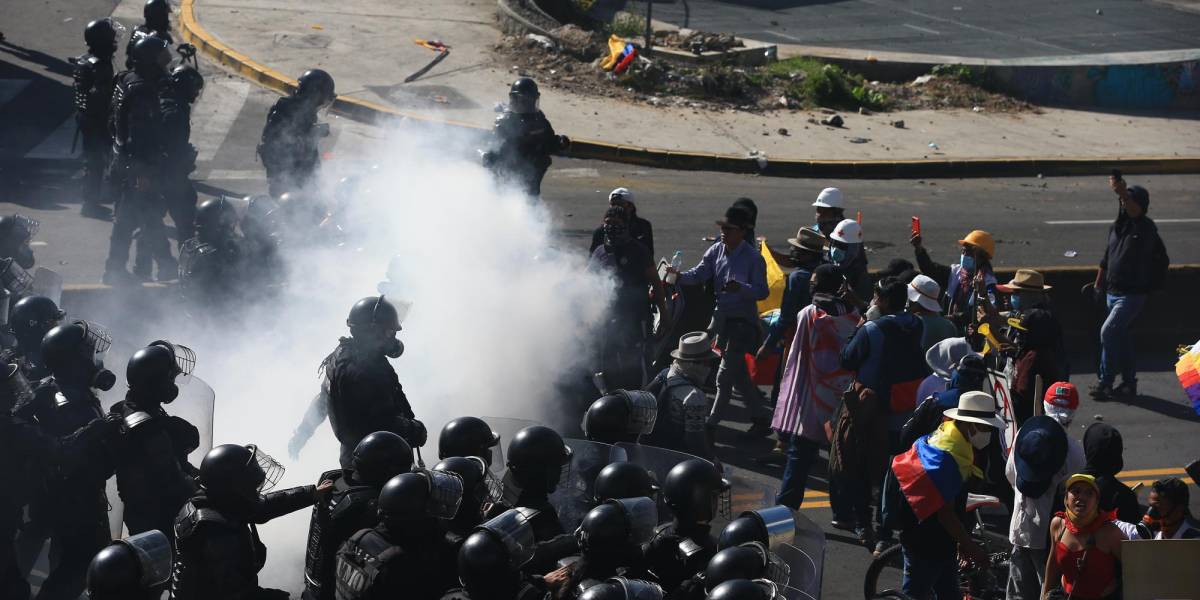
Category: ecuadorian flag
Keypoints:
(933, 471)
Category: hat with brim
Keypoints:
(924, 291)
(808, 240)
(975, 407)
(1039, 452)
(1025, 280)
(695, 347)
(736, 217)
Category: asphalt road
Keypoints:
(1024, 214)
(969, 28)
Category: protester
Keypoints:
(923, 294)
(974, 263)
(1134, 264)
(846, 250)
(943, 358)
(831, 210)
(812, 381)
(738, 273)
(1170, 516)
(807, 248)
(1039, 341)
(969, 375)
(1103, 448)
(927, 492)
(632, 266)
(1087, 546)
(1041, 459)
(639, 228)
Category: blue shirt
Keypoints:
(745, 265)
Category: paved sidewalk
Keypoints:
(368, 48)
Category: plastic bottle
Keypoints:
(676, 264)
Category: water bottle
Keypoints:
(676, 264)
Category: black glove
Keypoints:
(564, 142)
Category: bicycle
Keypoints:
(980, 582)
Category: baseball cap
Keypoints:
(829, 197)
(1061, 401)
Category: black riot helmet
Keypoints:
(216, 218)
(101, 36)
(187, 82)
(523, 96)
(624, 480)
(538, 459)
(696, 492)
(151, 55)
(152, 370)
(744, 589)
(490, 560)
(616, 527)
(16, 231)
(75, 352)
(749, 561)
(622, 416)
(477, 484)
(621, 588)
(157, 14)
(768, 526)
(135, 568)
(234, 475)
(468, 436)
(375, 320)
(32, 317)
(381, 456)
(14, 388)
(316, 86)
(420, 495)
(261, 221)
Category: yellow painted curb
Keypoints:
(368, 111)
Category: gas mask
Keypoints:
(393, 348)
(103, 379)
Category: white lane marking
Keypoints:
(58, 143)
(922, 29)
(784, 35)
(226, 174)
(37, 244)
(214, 115)
(1109, 221)
(889, 6)
(577, 173)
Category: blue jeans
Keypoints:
(801, 453)
(930, 577)
(1116, 345)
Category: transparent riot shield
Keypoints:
(751, 491)
(195, 404)
(575, 495)
(805, 559)
(659, 462)
(49, 284)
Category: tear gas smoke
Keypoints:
(499, 316)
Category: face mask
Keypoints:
(967, 262)
(1015, 301)
(981, 438)
(615, 234)
(838, 255)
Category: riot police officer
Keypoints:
(468, 436)
(523, 140)
(537, 460)
(696, 493)
(135, 173)
(72, 508)
(491, 559)
(262, 262)
(157, 23)
(623, 588)
(610, 541)
(477, 492)
(351, 506)
(289, 139)
(750, 560)
(746, 589)
(154, 477)
(406, 554)
(624, 480)
(16, 233)
(218, 551)
(93, 97)
(27, 456)
(183, 88)
(364, 394)
(209, 262)
(622, 416)
(31, 318)
(135, 568)
(768, 526)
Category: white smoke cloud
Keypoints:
(499, 314)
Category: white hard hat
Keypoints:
(848, 231)
(624, 193)
(829, 198)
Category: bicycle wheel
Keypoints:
(884, 575)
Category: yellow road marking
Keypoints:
(808, 504)
(1140, 472)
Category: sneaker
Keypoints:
(1126, 390)
(1101, 392)
(881, 546)
(843, 525)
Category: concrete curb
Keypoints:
(367, 111)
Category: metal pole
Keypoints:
(649, 27)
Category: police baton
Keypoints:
(420, 461)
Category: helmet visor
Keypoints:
(565, 470)
(642, 514)
(638, 589)
(523, 104)
(515, 529)
(27, 226)
(724, 500)
(118, 27)
(272, 470)
(185, 359)
(154, 555)
(643, 412)
(95, 337)
(775, 568)
(445, 494)
(14, 278)
(780, 523)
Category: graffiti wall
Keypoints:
(1154, 86)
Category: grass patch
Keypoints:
(811, 82)
(628, 25)
(976, 76)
